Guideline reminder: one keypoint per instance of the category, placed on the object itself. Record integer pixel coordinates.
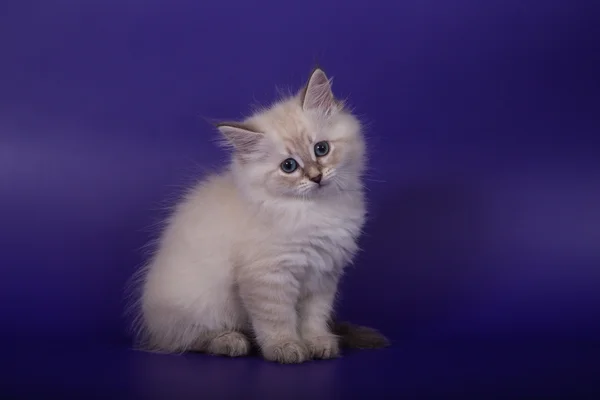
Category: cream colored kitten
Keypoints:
(256, 252)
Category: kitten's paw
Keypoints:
(232, 344)
(323, 347)
(293, 352)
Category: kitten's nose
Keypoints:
(316, 178)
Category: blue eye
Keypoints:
(288, 166)
(321, 149)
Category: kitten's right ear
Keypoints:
(317, 94)
(243, 137)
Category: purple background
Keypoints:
(484, 129)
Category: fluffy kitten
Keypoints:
(256, 252)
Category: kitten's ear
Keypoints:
(243, 137)
(317, 94)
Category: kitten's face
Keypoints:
(302, 147)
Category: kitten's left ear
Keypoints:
(317, 94)
(243, 137)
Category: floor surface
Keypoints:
(451, 369)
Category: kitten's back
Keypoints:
(191, 275)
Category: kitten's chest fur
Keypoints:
(319, 237)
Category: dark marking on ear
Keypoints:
(240, 125)
(243, 136)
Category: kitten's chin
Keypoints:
(318, 191)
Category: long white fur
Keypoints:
(253, 249)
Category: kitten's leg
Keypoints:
(227, 343)
(315, 309)
(270, 299)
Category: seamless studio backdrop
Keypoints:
(481, 257)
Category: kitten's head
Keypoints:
(305, 146)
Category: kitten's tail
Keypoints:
(359, 337)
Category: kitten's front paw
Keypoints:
(293, 352)
(323, 347)
(232, 344)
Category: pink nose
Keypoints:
(316, 178)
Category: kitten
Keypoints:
(256, 252)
